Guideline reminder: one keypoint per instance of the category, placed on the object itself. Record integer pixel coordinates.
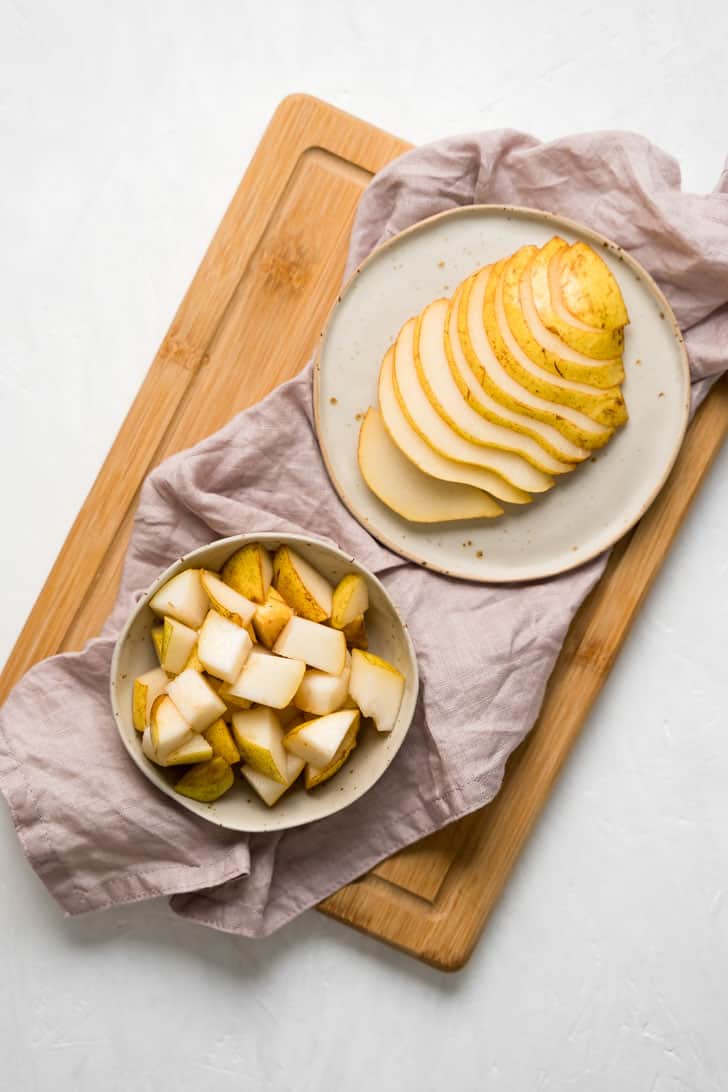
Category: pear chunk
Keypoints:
(178, 642)
(147, 688)
(268, 790)
(320, 741)
(317, 645)
(407, 489)
(148, 746)
(377, 688)
(302, 587)
(183, 598)
(267, 679)
(196, 749)
(222, 743)
(321, 693)
(207, 781)
(169, 729)
(196, 700)
(157, 635)
(223, 647)
(259, 737)
(226, 601)
(249, 571)
(270, 618)
(350, 600)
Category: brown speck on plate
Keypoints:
(333, 401)
(638, 363)
(661, 394)
(358, 416)
(662, 314)
(441, 265)
(478, 553)
(593, 459)
(575, 547)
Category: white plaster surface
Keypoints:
(124, 130)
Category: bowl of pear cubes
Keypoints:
(264, 681)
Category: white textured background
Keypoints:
(124, 130)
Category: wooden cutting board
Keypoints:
(276, 261)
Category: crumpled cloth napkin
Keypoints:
(96, 832)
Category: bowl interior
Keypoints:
(240, 808)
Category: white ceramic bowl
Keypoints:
(240, 808)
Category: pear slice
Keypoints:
(413, 445)
(221, 741)
(317, 645)
(315, 775)
(268, 680)
(407, 489)
(587, 290)
(350, 600)
(157, 635)
(377, 688)
(169, 729)
(193, 661)
(183, 598)
(605, 408)
(507, 471)
(223, 647)
(356, 633)
(207, 781)
(147, 688)
(302, 587)
(259, 737)
(196, 700)
(321, 693)
(440, 387)
(195, 750)
(270, 618)
(178, 641)
(225, 600)
(321, 741)
(148, 747)
(476, 377)
(497, 382)
(268, 790)
(232, 701)
(541, 345)
(249, 571)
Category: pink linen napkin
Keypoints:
(97, 833)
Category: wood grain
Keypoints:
(279, 253)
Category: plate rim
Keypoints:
(576, 227)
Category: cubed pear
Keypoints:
(157, 634)
(220, 739)
(267, 679)
(196, 749)
(147, 688)
(207, 781)
(193, 661)
(178, 642)
(302, 587)
(377, 687)
(169, 729)
(350, 600)
(320, 693)
(249, 571)
(319, 646)
(259, 737)
(269, 790)
(270, 618)
(196, 700)
(319, 741)
(148, 746)
(232, 701)
(226, 601)
(222, 647)
(183, 598)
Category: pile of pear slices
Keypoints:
(264, 664)
(490, 396)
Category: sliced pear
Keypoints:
(356, 633)
(541, 345)
(225, 600)
(196, 700)
(321, 693)
(268, 790)
(350, 600)
(408, 490)
(259, 737)
(195, 750)
(223, 647)
(508, 471)
(183, 598)
(148, 747)
(194, 661)
(476, 378)
(147, 688)
(232, 701)
(315, 775)
(220, 739)
(157, 634)
(440, 387)
(206, 782)
(178, 641)
(169, 729)
(321, 741)
(270, 618)
(588, 291)
(377, 688)
(249, 571)
(268, 680)
(317, 645)
(302, 587)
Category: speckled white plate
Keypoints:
(588, 510)
(241, 808)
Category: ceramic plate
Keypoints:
(588, 510)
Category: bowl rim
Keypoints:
(187, 561)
